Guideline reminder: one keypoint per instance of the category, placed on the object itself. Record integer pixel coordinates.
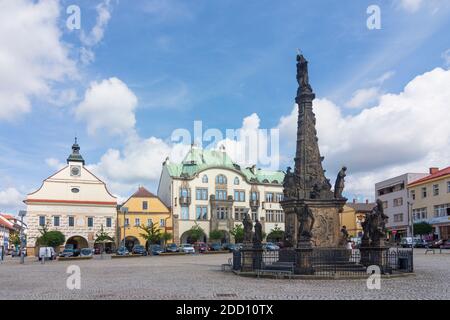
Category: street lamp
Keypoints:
(124, 210)
(22, 213)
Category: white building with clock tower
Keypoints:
(73, 201)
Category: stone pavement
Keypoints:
(200, 277)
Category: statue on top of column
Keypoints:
(302, 75)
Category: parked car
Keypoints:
(122, 251)
(238, 246)
(270, 246)
(46, 253)
(420, 243)
(86, 252)
(67, 252)
(407, 242)
(16, 253)
(156, 249)
(187, 248)
(445, 244)
(97, 250)
(201, 247)
(215, 247)
(231, 247)
(140, 250)
(172, 248)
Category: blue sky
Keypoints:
(219, 62)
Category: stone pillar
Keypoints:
(304, 261)
(176, 229)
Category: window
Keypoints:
(448, 186)
(441, 210)
(222, 213)
(162, 222)
(137, 222)
(201, 194)
(412, 193)
(221, 179)
(398, 202)
(274, 216)
(144, 205)
(184, 192)
(419, 214)
(424, 192)
(254, 196)
(269, 197)
(202, 213)
(221, 194)
(236, 181)
(41, 221)
(239, 195)
(108, 222)
(398, 217)
(149, 222)
(127, 222)
(205, 178)
(90, 222)
(385, 204)
(56, 221)
(435, 189)
(75, 190)
(71, 221)
(239, 213)
(279, 197)
(185, 213)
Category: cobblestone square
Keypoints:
(200, 277)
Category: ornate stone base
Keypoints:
(375, 256)
(326, 228)
(303, 263)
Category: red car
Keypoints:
(200, 247)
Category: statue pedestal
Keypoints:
(247, 257)
(303, 264)
(375, 255)
(326, 228)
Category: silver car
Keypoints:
(187, 248)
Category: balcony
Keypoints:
(254, 203)
(185, 201)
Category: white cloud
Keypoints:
(108, 105)
(32, 56)
(405, 132)
(54, 163)
(411, 5)
(11, 198)
(363, 98)
(97, 33)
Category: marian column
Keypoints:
(311, 208)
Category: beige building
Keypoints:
(210, 190)
(430, 201)
(73, 201)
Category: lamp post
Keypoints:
(22, 213)
(124, 210)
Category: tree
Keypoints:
(196, 232)
(103, 236)
(238, 233)
(14, 238)
(51, 239)
(422, 228)
(152, 233)
(216, 234)
(165, 236)
(276, 234)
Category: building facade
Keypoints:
(143, 209)
(353, 215)
(430, 201)
(73, 201)
(209, 190)
(393, 192)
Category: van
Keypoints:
(48, 253)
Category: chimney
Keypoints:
(434, 170)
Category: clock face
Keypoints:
(75, 171)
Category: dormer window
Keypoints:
(221, 179)
(205, 178)
(236, 181)
(75, 190)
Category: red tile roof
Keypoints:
(143, 193)
(6, 223)
(435, 175)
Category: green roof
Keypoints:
(198, 160)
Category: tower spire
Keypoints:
(75, 156)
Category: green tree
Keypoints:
(216, 234)
(165, 236)
(422, 228)
(51, 239)
(276, 234)
(238, 233)
(103, 236)
(14, 238)
(152, 233)
(196, 232)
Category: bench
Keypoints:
(278, 269)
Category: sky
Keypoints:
(136, 72)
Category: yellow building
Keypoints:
(353, 215)
(144, 209)
(429, 199)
